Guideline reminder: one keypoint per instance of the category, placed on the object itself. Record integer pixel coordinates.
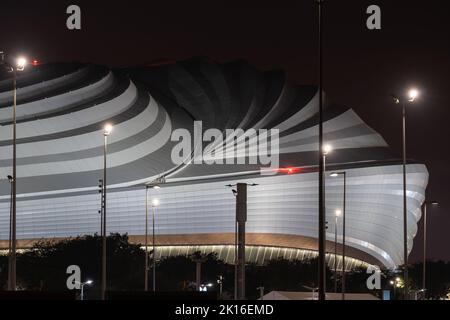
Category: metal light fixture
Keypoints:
(21, 63)
(327, 149)
(337, 213)
(106, 132)
(82, 284)
(18, 65)
(107, 129)
(155, 184)
(344, 204)
(412, 95)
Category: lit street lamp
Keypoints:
(156, 187)
(396, 283)
(18, 65)
(326, 149)
(220, 283)
(344, 174)
(433, 203)
(338, 213)
(393, 284)
(106, 132)
(322, 213)
(204, 287)
(82, 284)
(412, 95)
(155, 203)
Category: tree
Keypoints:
(44, 266)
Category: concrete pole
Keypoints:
(241, 218)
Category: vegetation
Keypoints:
(44, 269)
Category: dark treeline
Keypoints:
(44, 269)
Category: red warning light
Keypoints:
(35, 62)
(289, 170)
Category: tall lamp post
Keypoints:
(19, 65)
(156, 187)
(412, 95)
(155, 203)
(220, 283)
(146, 241)
(82, 284)
(326, 149)
(240, 194)
(338, 213)
(106, 132)
(396, 283)
(344, 174)
(433, 203)
(322, 242)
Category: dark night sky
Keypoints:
(362, 67)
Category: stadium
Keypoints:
(63, 107)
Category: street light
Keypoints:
(156, 187)
(106, 132)
(313, 290)
(235, 246)
(155, 184)
(322, 213)
(396, 283)
(155, 203)
(220, 283)
(204, 287)
(239, 246)
(433, 203)
(344, 174)
(18, 65)
(82, 284)
(412, 95)
(21, 63)
(337, 213)
(326, 149)
(108, 129)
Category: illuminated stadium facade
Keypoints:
(62, 109)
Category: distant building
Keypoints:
(62, 109)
